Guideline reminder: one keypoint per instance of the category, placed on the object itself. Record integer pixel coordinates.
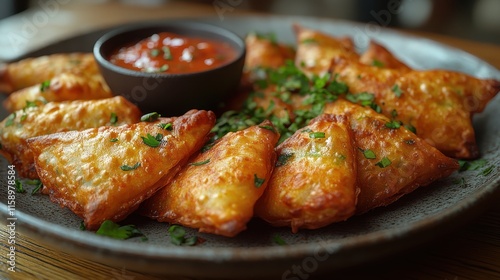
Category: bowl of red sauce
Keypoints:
(171, 67)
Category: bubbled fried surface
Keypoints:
(217, 190)
(438, 103)
(58, 117)
(63, 87)
(378, 55)
(314, 183)
(105, 173)
(413, 162)
(31, 71)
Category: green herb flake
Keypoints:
(487, 170)
(113, 230)
(113, 119)
(24, 116)
(317, 135)
(283, 159)
(178, 236)
(152, 141)
(113, 140)
(82, 226)
(10, 119)
(19, 186)
(397, 91)
(384, 162)
(166, 126)
(394, 113)
(369, 154)
(393, 124)
(154, 52)
(163, 68)
(258, 181)
(268, 127)
(150, 117)
(200, 162)
(36, 183)
(411, 128)
(30, 104)
(378, 63)
(166, 53)
(44, 86)
(471, 165)
(278, 240)
(309, 41)
(130, 168)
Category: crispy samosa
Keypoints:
(217, 190)
(105, 173)
(63, 87)
(31, 71)
(58, 117)
(264, 52)
(315, 50)
(378, 55)
(439, 104)
(392, 161)
(314, 181)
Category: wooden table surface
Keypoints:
(471, 252)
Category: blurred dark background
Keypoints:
(477, 20)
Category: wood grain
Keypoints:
(472, 252)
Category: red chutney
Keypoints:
(167, 52)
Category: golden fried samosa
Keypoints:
(105, 173)
(263, 52)
(217, 190)
(314, 181)
(315, 50)
(58, 117)
(391, 160)
(378, 55)
(63, 87)
(439, 104)
(31, 71)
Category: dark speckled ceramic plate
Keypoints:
(414, 219)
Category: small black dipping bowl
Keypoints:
(170, 94)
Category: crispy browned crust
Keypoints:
(63, 87)
(315, 50)
(262, 52)
(378, 53)
(414, 162)
(217, 191)
(438, 103)
(316, 185)
(58, 117)
(32, 71)
(83, 170)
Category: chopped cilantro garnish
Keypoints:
(487, 170)
(364, 99)
(397, 91)
(268, 127)
(258, 181)
(150, 117)
(411, 128)
(178, 236)
(378, 63)
(10, 119)
(152, 141)
(35, 182)
(278, 240)
(154, 52)
(45, 85)
(113, 140)
(369, 154)
(129, 168)
(113, 119)
(30, 104)
(82, 226)
(393, 124)
(166, 126)
(309, 41)
(471, 165)
(19, 186)
(317, 135)
(384, 162)
(113, 230)
(200, 162)
(271, 37)
(163, 68)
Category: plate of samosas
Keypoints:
(340, 146)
